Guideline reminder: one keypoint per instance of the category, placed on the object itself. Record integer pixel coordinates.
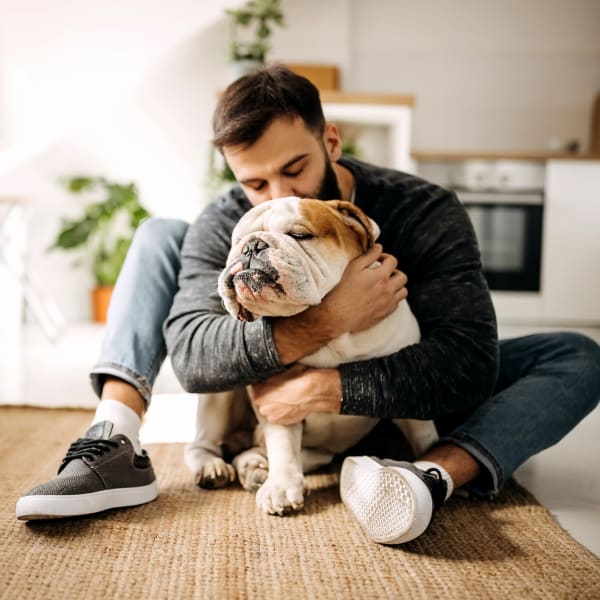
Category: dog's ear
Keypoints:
(367, 230)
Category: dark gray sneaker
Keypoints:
(99, 472)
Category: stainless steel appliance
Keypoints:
(505, 200)
(509, 230)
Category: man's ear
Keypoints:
(367, 230)
(332, 141)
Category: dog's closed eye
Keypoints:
(301, 235)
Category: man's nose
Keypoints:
(281, 189)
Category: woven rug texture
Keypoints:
(193, 543)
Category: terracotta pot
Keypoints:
(100, 301)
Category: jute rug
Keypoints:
(192, 543)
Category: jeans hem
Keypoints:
(489, 483)
(140, 383)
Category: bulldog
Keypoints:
(286, 255)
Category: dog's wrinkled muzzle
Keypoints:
(250, 273)
(237, 266)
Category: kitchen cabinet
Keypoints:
(571, 242)
(382, 123)
(570, 245)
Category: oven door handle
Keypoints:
(501, 198)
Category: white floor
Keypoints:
(564, 478)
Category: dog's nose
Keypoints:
(254, 247)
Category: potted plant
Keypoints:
(250, 33)
(105, 231)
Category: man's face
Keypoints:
(287, 160)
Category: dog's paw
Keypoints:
(281, 495)
(210, 471)
(252, 468)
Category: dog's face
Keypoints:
(288, 253)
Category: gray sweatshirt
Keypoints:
(452, 369)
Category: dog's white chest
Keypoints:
(398, 330)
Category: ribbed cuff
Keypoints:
(359, 393)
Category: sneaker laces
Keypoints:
(434, 471)
(439, 495)
(87, 448)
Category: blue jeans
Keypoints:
(547, 382)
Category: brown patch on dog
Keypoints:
(339, 218)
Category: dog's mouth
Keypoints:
(249, 285)
(245, 315)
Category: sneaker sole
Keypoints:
(56, 507)
(391, 504)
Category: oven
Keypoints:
(508, 225)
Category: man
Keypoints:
(494, 404)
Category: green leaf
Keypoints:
(138, 215)
(108, 262)
(79, 184)
(94, 229)
(227, 173)
(74, 234)
(261, 13)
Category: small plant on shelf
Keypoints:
(251, 29)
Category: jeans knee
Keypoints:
(581, 346)
(158, 238)
(157, 231)
(157, 243)
(584, 353)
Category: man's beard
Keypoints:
(329, 188)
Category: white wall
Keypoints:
(487, 74)
(134, 105)
(62, 61)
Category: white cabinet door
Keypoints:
(395, 119)
(571, 242)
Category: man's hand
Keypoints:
(289, 397)
(363, 297)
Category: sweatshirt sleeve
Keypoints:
(454, 366)
(210, 350)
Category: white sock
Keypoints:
(124, 419)
(426, 464)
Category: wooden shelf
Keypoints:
(533, 155)
(339, 97)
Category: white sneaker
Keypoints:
(393, 501)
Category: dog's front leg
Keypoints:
(283, 491)
(214, 419)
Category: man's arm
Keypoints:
(289, 397)
(210, 350)
(454, 367)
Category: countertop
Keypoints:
(533, 155)
(340, 97)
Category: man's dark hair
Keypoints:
(250, 104)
